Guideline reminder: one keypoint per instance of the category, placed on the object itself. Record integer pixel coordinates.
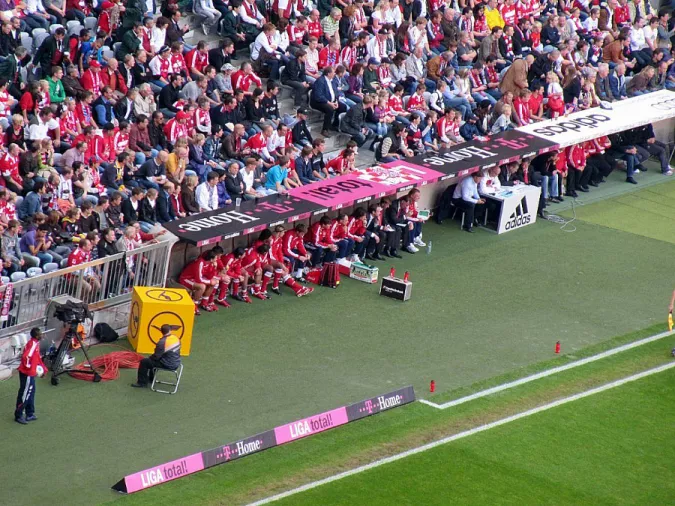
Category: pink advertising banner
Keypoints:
(312, 425)
(372, 182)
(164, 472)
(263, 441)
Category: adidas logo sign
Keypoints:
(521, 216)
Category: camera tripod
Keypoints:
(58, 357)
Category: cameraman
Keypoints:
(166, 356)
(31, 366)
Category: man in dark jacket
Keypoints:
(166, 356)
(325, 99)
(295, 77)
(131, 42)
(50, 52)
(9, 68)
(147, 211)
(156, 131)
(354, 122)
(165, 211)
(170, 95)
(71, 82)
(219, 56)
(7, 42)
(233, 145)
(32, 203)
(132, 205)
(234, 183)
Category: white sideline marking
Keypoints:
(548, 372)
(464, 434)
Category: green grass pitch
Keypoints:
(485, 308)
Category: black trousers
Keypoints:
(299, 91)
(471, 211)
(657, 149)
(145, 370)
(330, 115)
(573, 176)
(590, 173)
(600, 165)
(377, 247)
(25, 400)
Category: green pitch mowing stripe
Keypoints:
(613, 449)
(647, 212)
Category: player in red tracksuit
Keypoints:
(356, 231)
(253, 261)
(221, 275)
(199, 278)
(281, 270)
(239, 277)
(318, 242)
(31, 366)
(576, 160)
(338, 236)
(294, 250)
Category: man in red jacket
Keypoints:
(31, 366)
(318, 242)
(294, 250)
(199, 278)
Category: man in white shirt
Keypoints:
(490, 184)
(377, 46)
(206, 193)
(467, 198)
(250, 14)
(265, 44)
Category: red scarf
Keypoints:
(7, 302)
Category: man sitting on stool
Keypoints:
(166, 356)
(466, 198)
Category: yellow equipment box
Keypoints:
(153, 307)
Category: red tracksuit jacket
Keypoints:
(31, 358)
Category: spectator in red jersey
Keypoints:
(91, 283)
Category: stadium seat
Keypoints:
(18, 201)
(39, 38)
(33, 271)
(74, 29)
(72, 22)
(116, 46)
(27, 41)
(340, 118)
(405, 102)
(107, 54)
(5, 280)
(17, 276)
(50, 267)
(156, 381)
(64, 263)
(54, 27)
(90, 23)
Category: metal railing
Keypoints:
(103, 283)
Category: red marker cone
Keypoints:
(392, 272)
(557, 347)
(432, 386)
(406, 276)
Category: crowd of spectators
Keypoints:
(114, 129)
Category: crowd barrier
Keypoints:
(31, 296)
